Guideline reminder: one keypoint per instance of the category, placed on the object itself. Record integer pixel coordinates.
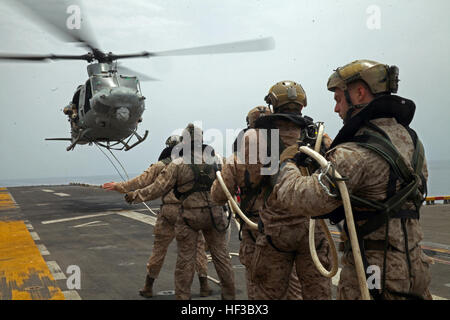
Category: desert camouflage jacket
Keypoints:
(176, 174)
(245, 163)
(367, 175)
(140, 182)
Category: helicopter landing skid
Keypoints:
(125, 144)
(75, 141)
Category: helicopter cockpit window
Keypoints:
(128, 82)
(100, 82)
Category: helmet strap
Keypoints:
(351, 107)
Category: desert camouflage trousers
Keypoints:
(164, 233)
(212, 223)
(246, 251)
(287, 247)
(398, 278)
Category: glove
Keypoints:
(289, 153)
(129, 197)
(326, 141)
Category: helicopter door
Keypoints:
(76, 96)
(81, 101)
(87, 96)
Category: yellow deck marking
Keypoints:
(24, 275)
(6, 200)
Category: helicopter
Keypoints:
(108, 107)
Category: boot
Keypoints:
(204, 288)
(147, 291)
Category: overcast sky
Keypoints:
(312, 38)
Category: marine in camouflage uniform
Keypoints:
(164, 231)
(270, 269)
(234, 175)
(388, 239)
(198, 213)
(285, 246)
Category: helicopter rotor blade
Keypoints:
(127, 71)
(126, 56)
(65, 16)
(230, 47)
(39, 58)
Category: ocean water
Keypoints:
(438, 180)
(94, 180)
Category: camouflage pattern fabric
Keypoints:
(367, 178)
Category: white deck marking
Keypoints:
(61, 194)
(78, 217)
(154, 209)
(35, 236)
(56, 270)
(71, 295)
(91, 224)
(47, 190)
(145, 218)
(103, 247)
(43, 250)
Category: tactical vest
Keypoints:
(204, 176)
(249, 192)
(308, 136)
(379, 213)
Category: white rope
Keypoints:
(312, 225)
(360, 272)
(126, 174)
(234, 205)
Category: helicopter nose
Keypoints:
(123, 114)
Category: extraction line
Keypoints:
(312, 224)
(359, 266)
(126, 174)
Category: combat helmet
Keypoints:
(193, 133)
(380, 78)
(286, 92)
(255, 113)
(173, 140)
